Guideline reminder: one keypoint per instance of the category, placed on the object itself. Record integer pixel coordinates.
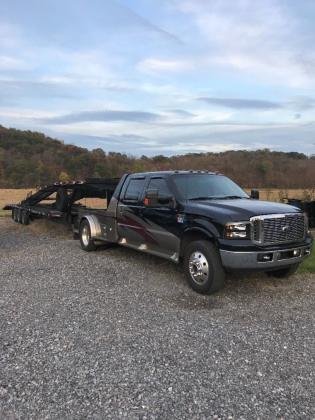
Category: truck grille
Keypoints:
(278, 228)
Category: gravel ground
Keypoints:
(115, 333)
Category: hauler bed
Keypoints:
(64, 201)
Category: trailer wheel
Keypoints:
(25, 217)
(19, 215)
(16, 215)
(13, 214)
(86, 241)
(203, 267)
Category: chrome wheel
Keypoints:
(198, 267)
(85, 235)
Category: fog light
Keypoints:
(296, 252)
(265, 257)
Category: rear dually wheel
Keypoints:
(86, 241)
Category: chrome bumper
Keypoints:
(264, 259)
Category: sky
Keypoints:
(161, 76)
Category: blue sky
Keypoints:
(161, 77)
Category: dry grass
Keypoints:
(271, 194)
(11, 196)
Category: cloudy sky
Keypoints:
(161, 76)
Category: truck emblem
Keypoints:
(285, 228)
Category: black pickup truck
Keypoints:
(203, 219)
(200, 218)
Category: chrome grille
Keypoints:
(278, 228)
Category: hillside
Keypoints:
(29, 158)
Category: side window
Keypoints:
(160, 185)
(134, 189)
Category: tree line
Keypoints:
(29, 159)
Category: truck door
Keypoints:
(129, 215)
(160, 221)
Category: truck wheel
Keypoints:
(14, 214)
(283, 272)
(203, 267)
(86, 241)
(25, 218)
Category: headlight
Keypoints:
(237, 230)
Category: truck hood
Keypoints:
(237, 209)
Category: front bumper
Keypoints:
(264, 259)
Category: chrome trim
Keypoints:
(198, 268)
(249, 260)
(95, 226)
(263, 217)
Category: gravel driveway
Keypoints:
(115, 333)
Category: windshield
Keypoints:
(207, 186)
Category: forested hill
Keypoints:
(28, 159)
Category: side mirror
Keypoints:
(165, 200)
(254, 194)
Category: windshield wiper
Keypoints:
(203, 198)
(222, 197)
(231, 197)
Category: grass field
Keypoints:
(8, 196)
(270, 194)
(308, 265)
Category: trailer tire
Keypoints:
(86, 241)
(19, 215)
(16, 215)
(25, 217)
(13, 214)
(203, 267)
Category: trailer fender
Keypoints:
(95, 226)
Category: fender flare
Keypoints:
(195, 230)
(198, 229)
(95, 227)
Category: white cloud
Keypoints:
(262, 39)
(156, 65)
(13, 63)
(10, 35)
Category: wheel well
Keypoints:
(194, 235)
(81, 221)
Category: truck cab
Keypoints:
(202, 219)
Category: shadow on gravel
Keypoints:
(38, 227)
(169, 275)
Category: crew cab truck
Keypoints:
(202, 219)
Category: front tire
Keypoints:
(86, 241)
(203, 267)
(283, 272)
